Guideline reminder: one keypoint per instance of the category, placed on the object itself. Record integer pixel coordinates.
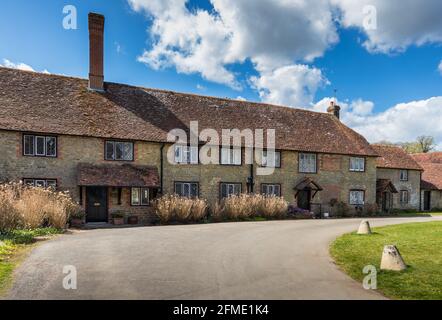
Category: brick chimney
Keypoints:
(96, 52)
(334, 109)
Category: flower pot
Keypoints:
(76, 223)
(132, 220)
(118, 221)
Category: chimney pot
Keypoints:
(96, 52)
(334, 109)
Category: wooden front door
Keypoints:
(96, 205)
(427, 200)
(386, 201)
(304, 197)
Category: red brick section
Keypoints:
(392, 157)
(126, 175)
(96, 52)
(63, 105)
(432, 175)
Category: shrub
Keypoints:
(342, 209)
(299, 213)
(248, 206)
(371, 209)
(170, 208)
(272, 207)
(33, 207)
(9, 215)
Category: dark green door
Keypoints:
(96, 206)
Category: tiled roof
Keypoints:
(383, 185)
(392, 157)
(63, 105)
(125, 175)
(432, 175)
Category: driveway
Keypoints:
(256, 260)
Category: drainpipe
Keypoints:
(162, 167)
(251, 179)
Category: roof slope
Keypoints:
(432, 164)
(63, 105)
(393, 157)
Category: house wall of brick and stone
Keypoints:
(71, 151)
(412, 186)
(333, 173)
(333, 176)
(436, 199)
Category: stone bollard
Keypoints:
(392, 259)
(364, 228)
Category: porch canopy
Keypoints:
(385, 185)
(125, 175)
(308, 184)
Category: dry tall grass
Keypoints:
(171, 208)
(29, 207)
(247, 206)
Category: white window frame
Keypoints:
(357, 164)
(266, 159)
(44, 183)
(139, 191)
(45, 140)
(269, 189)
(231, 156)
(230, 186)
(186, 154)
(401, 196)
(401, 175)
(312, 160)
(114, 154)
(182, 186)
(357, 197)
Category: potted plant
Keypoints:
(118, 218)
(77, 219)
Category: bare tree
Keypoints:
(426, 143)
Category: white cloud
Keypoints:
(20, 66)
(293, 85)
(279, 37)
(239, 98)
(201, 87)
(272, 34)
(440, 67)
(400, 23)
(400, 123)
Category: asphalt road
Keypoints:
(256, 260)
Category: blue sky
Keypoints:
(31, 32)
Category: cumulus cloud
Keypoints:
(271, 34)
(440, 67)
(20, 66)
(400, 123)
(293, 85)
(281, 38)
(400, 23)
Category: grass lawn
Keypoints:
(13, 247)
(421, 247)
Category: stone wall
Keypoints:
(333, 174)
(412, 186)
(72, 150)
